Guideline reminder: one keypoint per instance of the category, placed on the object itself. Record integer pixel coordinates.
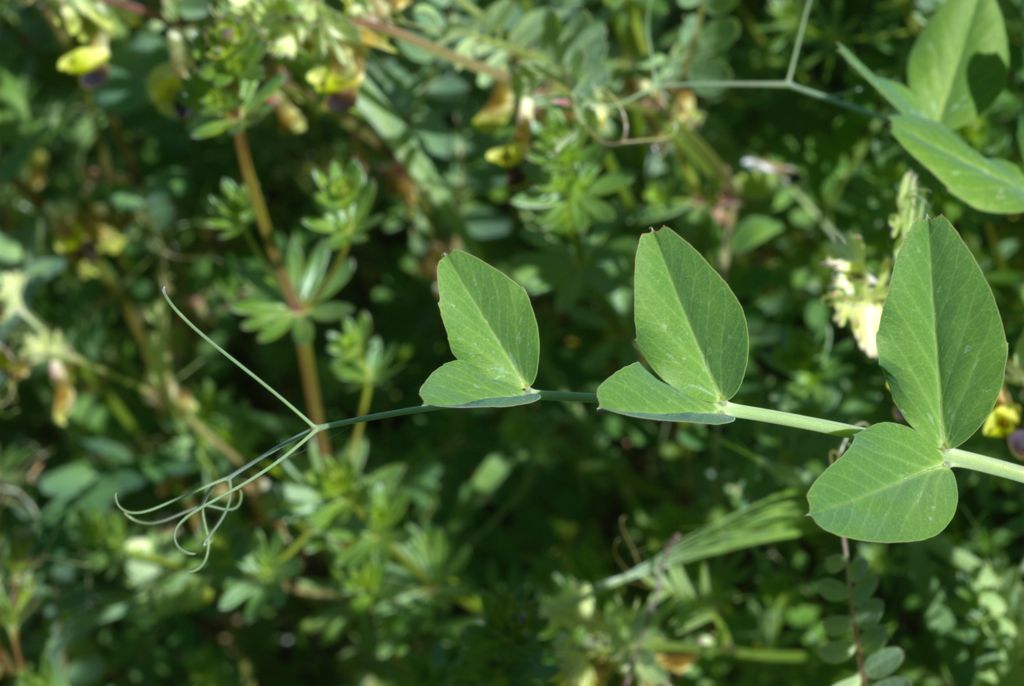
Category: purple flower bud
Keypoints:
(342, 102)
(1015, 442)
(94, 79)
(897, 416)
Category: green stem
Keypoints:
(309, 376)
(365, 401)
(955, 457)
(795, 421)
(14, 637)
(816, 94)
(774, 84)
(776, 656)
(993, 466)
(798, 44)
(568, 396)
(377, 416)
(296, 546)
(433, 48)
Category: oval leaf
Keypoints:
(689, 325)
(959, 62)
(884, 662)
(492, 332)
(891, 486)
(941, 340)
(985, 184)
(635, 392)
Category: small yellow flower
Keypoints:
(326, 80)
(498, 110)
(1002, 421)
(109, 241)
(375, 41)
(83, 59)
(285, 47)
(506, 156)
(163, 85)
(64, 394)
(290, 117)
(676, 663)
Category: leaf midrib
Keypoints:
(956, 159)
(689, 324)
(943, 437)
(501, 344)
(864, 496)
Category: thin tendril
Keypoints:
(799, 43)
(234, 361)
(228, 501)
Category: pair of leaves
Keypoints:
(493, 334)
(943, 350)
(941, 345)
(691, 330)
(957, 67)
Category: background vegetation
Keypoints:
(292, 170)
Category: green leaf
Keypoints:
(68, 480)
(959, 62)
(891, 486)
(985, 184)
(898, 95)
(884, 662)
(210, 129)
(461, 384)
(492, 333)
(753, 231)
(635, 392)
(893, 681)
(941, 340)
(689, 325)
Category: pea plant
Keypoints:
(309, 178)
(940, 343)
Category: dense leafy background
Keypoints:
(469, 546)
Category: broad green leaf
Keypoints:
(635, 392)
(753, 231)
(891, 486)
(489, 319)
(985, 184)
(492, 333)
(941, 341)
(898, 95)
(689, 325)
(461, 384)
(884, 662)
(959, 62)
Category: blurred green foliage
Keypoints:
(291, 171)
